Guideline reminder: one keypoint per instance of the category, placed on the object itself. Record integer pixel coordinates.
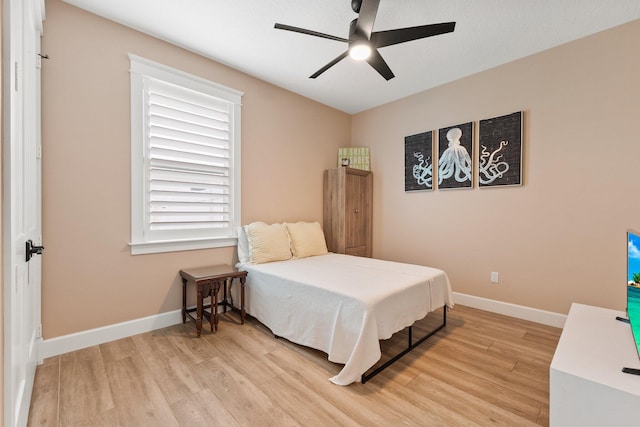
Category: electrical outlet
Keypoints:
(494, 277)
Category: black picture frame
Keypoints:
(418, 162)
(500, 151)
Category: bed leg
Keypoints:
(366, 377)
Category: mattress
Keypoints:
(343, 305)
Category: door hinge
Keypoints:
(39, 331)
(16, 76)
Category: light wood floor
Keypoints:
(482, 369)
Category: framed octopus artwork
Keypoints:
(500, 151)
(455, 151)
(418, 162)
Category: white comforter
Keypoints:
(343, 305)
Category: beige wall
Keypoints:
(89, 277)
(561, 236)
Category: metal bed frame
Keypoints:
(410, 346)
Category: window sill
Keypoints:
(141, 248)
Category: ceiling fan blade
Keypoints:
(401, 35)
(329, 65)
(366, 17)
(309, 32)
(379, 64)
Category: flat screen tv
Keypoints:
(633, 284)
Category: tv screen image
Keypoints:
(633, 284)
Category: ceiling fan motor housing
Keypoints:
(354, 31)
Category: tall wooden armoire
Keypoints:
(348, 209)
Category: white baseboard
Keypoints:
(519, 311)
(66, 343)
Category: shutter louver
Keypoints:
(188, 160)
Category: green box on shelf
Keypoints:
(354, 157)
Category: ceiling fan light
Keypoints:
(360, 51)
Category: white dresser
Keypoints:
(587, 386)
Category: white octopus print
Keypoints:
(455, 160)
(492, 165)
(423, 171)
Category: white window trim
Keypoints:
(143, 67)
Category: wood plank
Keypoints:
(44, 408)
(171, 371)
(236, 392)
(480, 384)
(477, 410)
(344, 399)
(291, 395)
(482, 369)
(244, 362)
(138, 398)
(117, 350)
(105, 419)
(196, 350)
(203, 409)
(84, 389)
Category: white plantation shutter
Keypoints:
(190, 181)
(187, 160)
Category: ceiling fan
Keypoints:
(364, 43)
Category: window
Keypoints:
(185, 160)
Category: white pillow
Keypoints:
(243, 246)
(268, 243)
(307, 239)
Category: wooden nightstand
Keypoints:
(208, 281)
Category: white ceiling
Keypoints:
(240, 34)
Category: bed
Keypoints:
(340, 304)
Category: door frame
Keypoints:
(18, 18)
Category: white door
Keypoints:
(21, 202)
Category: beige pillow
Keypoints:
(307, 239)
(268, 243)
